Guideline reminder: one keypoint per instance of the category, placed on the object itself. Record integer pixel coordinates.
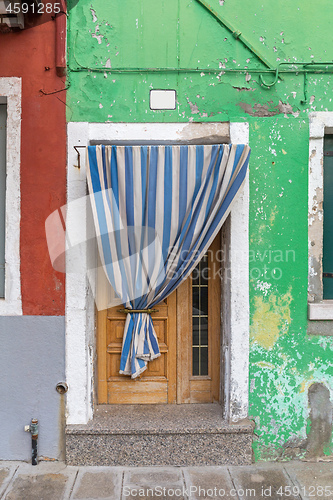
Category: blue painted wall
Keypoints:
(32, 361)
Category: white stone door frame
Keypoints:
(80, 310)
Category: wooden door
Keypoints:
(187, 325)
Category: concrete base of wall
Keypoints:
(143, 435)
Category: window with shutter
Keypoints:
(3, 118)
(328, 218)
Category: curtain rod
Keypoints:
(193, 142)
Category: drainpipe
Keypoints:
(33, 428)
(60, 52)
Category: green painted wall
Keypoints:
(107, 39)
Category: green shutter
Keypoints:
(328, 218)
(3, 118)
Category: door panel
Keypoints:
(157, 383)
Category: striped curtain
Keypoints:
(156, 210)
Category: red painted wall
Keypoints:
(30, 54)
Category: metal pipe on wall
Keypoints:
(34, 440)
(33, 429)
(61, 26)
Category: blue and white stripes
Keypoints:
(156, 211)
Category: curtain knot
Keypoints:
(129, 311)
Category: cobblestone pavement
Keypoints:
(56, 481)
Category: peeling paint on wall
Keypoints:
(271, 319)
(320, 420)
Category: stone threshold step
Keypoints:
(156, 419)
(183, 435)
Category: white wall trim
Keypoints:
(238, 390)
(79, 289)
(10, 93)
(320, 123)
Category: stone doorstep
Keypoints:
(159, 435)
